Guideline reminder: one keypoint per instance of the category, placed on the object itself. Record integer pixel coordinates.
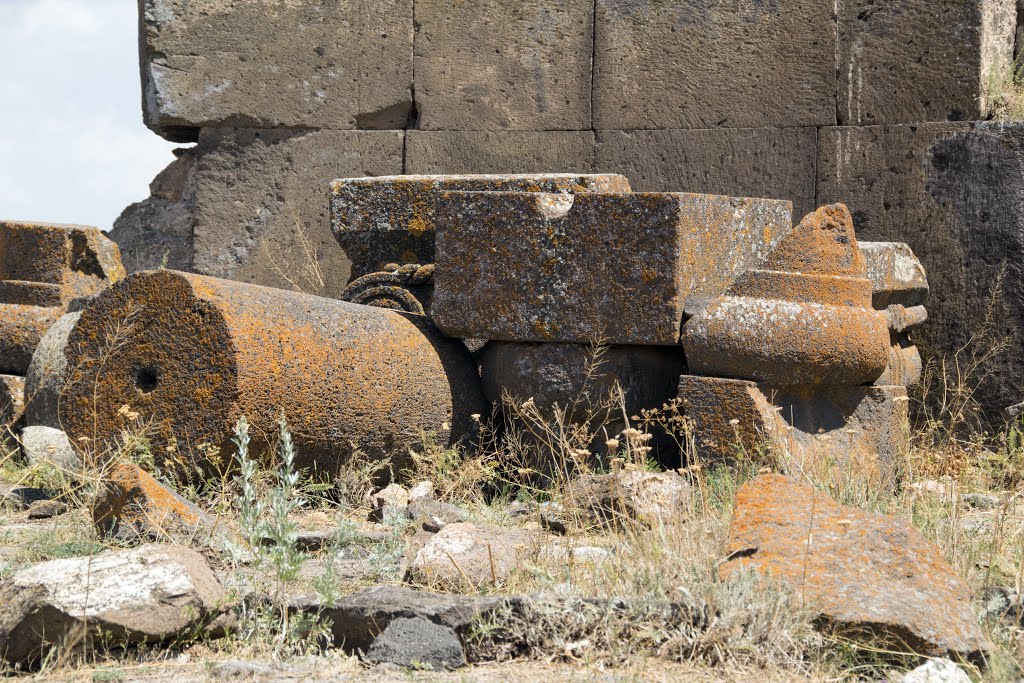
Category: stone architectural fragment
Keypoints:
(762, 162)
(610, 267)
(392, 219)
(708, 65)
(896, 274)
(489, 64)
(268, 64)
(47, 374)
(511, 151)
(861, 430)
(912, 61)
(204, 352)
(948, 190)
(865, 573)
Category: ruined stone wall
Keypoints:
(870, 102)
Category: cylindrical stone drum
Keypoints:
(190, 354)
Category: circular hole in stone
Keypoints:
(146, 379)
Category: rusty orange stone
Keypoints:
(865, 573)
(133, 499)
(189, 355)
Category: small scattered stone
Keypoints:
(981, 501)
(552, 517)
(51, 446)
(1002, 602)
(45, 509)
(424, 509)
(418, 643)
(424, 489)
(433, 525)
(465, 553)
(937, 671)
(518, 509)
(634, 496)
(390, 504)
(248, 669)
(21, 497)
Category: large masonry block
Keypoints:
(514, 151)
(955, 193)
(261, 203)
(494, 65)
(615, 268)
(906, 61)
(703, 64)
(392, 219)
(266, 63)
(767, 162)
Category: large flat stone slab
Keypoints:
(615, 268)
(953, 192)
(266, 63)
(496, 65)
(705, 64)
(909, 61)
(764, 162)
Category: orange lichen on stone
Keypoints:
(861, 571)
(132, 500)
(824, 243)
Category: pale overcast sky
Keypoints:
(73, 148)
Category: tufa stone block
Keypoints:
(763, 162)
(910, 61)
(494, 65)
(610, 267)
(708, 65)
(268, 64)
(392, 219)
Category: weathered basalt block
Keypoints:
(509, 151)
(203, 352)
(488, 64)
(47, 374)
(610, 267)
(392, 219)
(12, 399)
(707, 65)
(752, 162)
(911, 61)
(267, 64)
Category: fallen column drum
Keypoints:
(191, 354)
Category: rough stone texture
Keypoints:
(390, 504)
(470, 555)
(551, 278)
(863, 572)
(762, 162)
(911, 61)
(132, 504)
(862, 430)
(357, 619)
(896, 274)
(203, 352)
(392, 219)
(148, 594)
(629, 496)
(579, 380)
(493, 65)
(513, 151)
(158, 230)
(707, 65)
(807, 321)
(43, 267)
(417, 642)
(261, 203)
(953, 192)
(47, 374)
(45, 445)
(267, 64)
(21, 497)
(12, 399)
(936, 671)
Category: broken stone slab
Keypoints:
(349, 378)
(859, 430)
(944, 195)
(897, 275)
(21, 497)
(264, 64)
(471, 555)
(392, 219)
(531, 65)
(417, 642)
(550, 279)
(47, 374)
(949, 52)
(715, 161)
(49, 446)
(430, 152)
(582, 382)
(133, 505)
(12, 399)
(866, 574)
(685, 65)
(144, 595)
(633, 496)
(46, 509)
